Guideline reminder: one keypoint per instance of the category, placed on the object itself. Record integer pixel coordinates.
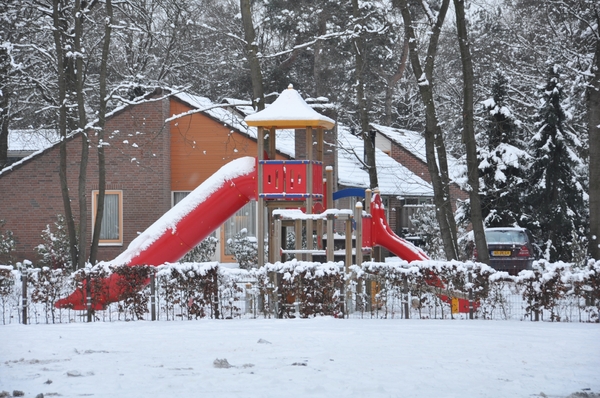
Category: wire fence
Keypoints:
(429, 290)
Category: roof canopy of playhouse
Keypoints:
(289, 110)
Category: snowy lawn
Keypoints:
(321, 357)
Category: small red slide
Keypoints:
(382, 235)
(182, 227)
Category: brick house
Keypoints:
(151, 165)
(408, 148)
(154, 160)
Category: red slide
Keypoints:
(382, 235)
(182, 227)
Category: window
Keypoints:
(178, 196)
(243, 219)
(410, 206)
(111, 233)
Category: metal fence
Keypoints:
(261, 295)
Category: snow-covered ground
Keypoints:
(320, 357)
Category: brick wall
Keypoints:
(419, 167)
(410, 161)
(137, 163)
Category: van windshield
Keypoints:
(505, 236)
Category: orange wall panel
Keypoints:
(200, 146)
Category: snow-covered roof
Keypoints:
(289, 110)
(414, 142)
(394, 178)
(31, 140)
(234, 119)
(29, 144)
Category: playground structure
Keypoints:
(290, 193)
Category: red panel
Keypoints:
(318, 178)
(280, 177)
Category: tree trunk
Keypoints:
(101, 124)
(62, 127)
(434, 144)
(318, 58)
(258, 99)
(593, 105)
(4, 105)
(392, 80)
(85, 142)
(469, 133)
(361, 101)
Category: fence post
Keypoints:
(348, 293)
(153, 295)
(88, 294)
(405, 291)
(24, 295)
(470, 296)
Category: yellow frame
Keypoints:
(109, 242)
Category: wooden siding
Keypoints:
(200, 145)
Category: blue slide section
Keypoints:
(344, 193)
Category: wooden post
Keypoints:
(320, 144)
(298, 233)
(272, 145)
(24, 295)
(329, 183)
(348, 295)
(153, 295)
(330, 240)
(260, 225)
(309, 186)
(358, 217)
(368, 197)
(276, 238)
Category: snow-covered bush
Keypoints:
(314, 288)
(192, 287)
(94, 279)
(244, 249)
(55, 251)
(133, 297)
(203, 252)
(7, 245)
(7, 285)
(48, 286)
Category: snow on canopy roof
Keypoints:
(32, 140)
(394, 178)
(414, 142)
(289, 110)
(233, 118)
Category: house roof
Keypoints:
(394, 179)
(414, 142)
(289, 110)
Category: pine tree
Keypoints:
(501, 160)
(557, 191)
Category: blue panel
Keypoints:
(344, 193)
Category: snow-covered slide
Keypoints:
(182, 227)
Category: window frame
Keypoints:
(108, 242)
